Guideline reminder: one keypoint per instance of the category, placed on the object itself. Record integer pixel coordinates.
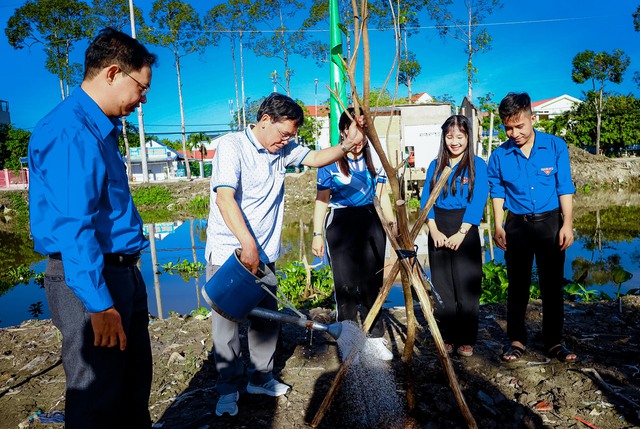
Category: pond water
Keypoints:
(607, 241)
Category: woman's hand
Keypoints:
(317, 246)
(455, 240)
(439, 239)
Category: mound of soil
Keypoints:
(603, 388)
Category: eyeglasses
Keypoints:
(145, 88)
(285, 136)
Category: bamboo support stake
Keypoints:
(425, 303)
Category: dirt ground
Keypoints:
(602, 389)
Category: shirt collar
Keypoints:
(103, 123)
(253, 139)
(538, 142)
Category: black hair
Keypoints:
(279, 107)
(513, 104)
(115, 47)
(343, 163)
(466, 164)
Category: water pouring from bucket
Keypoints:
(234, 292)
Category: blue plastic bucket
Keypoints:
(234, 291)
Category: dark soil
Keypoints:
(603, 388)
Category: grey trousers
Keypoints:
(106, 388)
(262, 338)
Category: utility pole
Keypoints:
(143, 142)
(274, 80)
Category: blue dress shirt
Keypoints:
(531, 185)
(79, 200)
(474, 209)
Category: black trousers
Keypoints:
(457, 279)
(106, 388)
(356, 249)
(526, 240)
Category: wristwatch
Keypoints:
(463, 230)
(316, 234)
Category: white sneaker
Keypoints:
(228, 404)
(378, 347)
(272, 388)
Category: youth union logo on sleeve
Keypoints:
(547, 170)
(465, 180)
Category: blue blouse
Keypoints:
(355, 190)
(474, 209)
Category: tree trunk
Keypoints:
(182, 125)
(243, 106)
(598, 120)
(235, 80)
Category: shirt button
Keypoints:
(532, 187)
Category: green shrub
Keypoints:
(292, 283)
(151, 195)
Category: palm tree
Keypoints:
(198, 141)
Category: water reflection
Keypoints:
(605, 256)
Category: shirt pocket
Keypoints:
(546, 176)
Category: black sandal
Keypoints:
(560, 352)
(514, 351)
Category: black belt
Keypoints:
(118, 259)
(537, 217)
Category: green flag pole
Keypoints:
(337, 73)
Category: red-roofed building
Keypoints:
(552, 107)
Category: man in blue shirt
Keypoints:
(530, 176)
(83, 218)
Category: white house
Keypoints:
(163, 162)
(552, 107)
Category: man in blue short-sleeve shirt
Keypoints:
(247, 195)
(82, 216)
(530, 177)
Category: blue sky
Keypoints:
(533, 45)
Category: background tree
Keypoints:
(58, 25)
(310, 130)
(465, 27)
(116, 14)
(234, 20)
(408, 69)
(488, 106)
(13, 146)
(251, 113)
(599, 68)
(178, 27)
(280, 42)
(198, 141)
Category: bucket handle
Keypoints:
(284, 301)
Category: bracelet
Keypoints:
(316, 234)
(343, 147)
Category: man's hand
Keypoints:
(500, 238)
(565, 237)
(249, 258)
(107, 329)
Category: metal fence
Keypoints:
(14, 179)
